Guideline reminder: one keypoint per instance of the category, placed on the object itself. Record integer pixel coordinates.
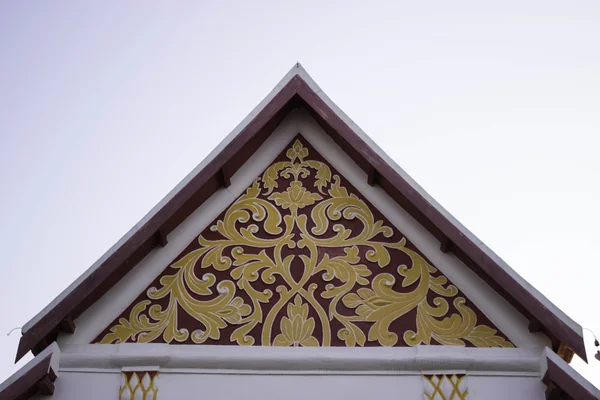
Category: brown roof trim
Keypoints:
(563, 382)
(183, 203)
(38, 379)
(432, 219)
(296, 93)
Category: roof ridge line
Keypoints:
(297, 82)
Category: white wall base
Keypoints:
(270, 373)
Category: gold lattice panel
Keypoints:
(445, 387)
(141, 385)
(302, 259)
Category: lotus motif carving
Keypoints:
(297, 328)
(295, 197)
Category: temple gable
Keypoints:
(302, 259)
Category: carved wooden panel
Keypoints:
(301, 259)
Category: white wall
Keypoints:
(504, 388)
(188, 371)
(293, 387)
(86, 386)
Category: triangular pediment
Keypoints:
(154, 245)
(302, 258)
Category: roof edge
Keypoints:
(297, 82)
(561, 379)
(491, 259)
(446, 214)
(37, 376)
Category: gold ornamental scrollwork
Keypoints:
(349, 288)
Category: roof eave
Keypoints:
(563, 381)
(35, 377)
(298, 88)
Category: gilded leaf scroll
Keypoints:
(300, 259)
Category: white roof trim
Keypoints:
(282, 360)
(299, 70)
(581, 381)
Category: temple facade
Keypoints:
(299, 261)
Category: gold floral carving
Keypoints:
(565, 352)
(307, 263)
(296, 328)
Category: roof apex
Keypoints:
(297, 83)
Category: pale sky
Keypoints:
(494, 110)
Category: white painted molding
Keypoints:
(138, 368)
(256, 359)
